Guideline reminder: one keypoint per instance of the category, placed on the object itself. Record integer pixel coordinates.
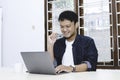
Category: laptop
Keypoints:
(38, 62)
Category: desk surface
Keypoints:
(6, 74)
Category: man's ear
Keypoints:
(76, 25)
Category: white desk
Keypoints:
(98, 75)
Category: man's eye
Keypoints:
(67, 26)
(62, 27)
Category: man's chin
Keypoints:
(67, 37)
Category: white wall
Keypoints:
(1, 2)
(23, 29)
(0, 35)
(0, 32)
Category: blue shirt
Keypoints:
(84, 51)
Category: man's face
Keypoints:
(68, 28)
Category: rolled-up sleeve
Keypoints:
(88, 64)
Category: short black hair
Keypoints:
(68, 15)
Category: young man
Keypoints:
(73, 52)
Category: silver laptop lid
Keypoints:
(38, 62)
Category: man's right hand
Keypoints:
(52, 38)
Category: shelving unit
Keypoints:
(49, 17)
(81, 17)
(117, 4)
(82, 29)
(114, 15)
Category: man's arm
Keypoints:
(92, 55)
(51, 40)
(50, 50)
(77, 68)
(81, 67)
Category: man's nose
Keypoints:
(64, 29)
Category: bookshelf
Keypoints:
(114, 28)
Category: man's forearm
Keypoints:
(81, 67)
(50, 50)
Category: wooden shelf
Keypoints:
(114, 15)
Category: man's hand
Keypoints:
(62, 68)
(52, 38)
